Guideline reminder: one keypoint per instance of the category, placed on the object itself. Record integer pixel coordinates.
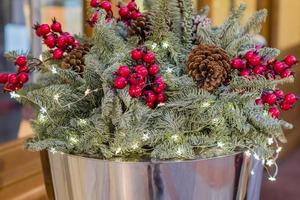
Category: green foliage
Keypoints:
(87, 116)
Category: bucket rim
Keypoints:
(152, 161)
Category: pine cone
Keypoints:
(75, 59)
(209, 66)
(141, 27)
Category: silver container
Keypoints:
(221, 178)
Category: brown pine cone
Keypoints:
(75, 59)
(208, 66)
(141, 27)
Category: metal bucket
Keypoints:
(221, 178)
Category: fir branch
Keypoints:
(253, 26)
(268, 52)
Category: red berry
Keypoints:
(290, 98)
(259, 102)
(56, 26)
(50, 41)
(44, 29)
(158, 79)
(9, 87)
(142, 70)
(23, 77)
(135, 91)
(123, 71)
(149, 57)
(271, 61)
(274, 112)
(124, 11)
(3, 78)
(57, 54)
(136, 79)
(70, 40)
(38, 31)
(285, 106)
(153, 69)
(255, 60)
(249, 55)
(120, 82)
(286, 73)
(62, 41)
(150, 96)
(238, 63)
(106, 5)
(158, 87)
(279, 93)
(245, 72)
(95, 3)
(18, 86)
(136, 54)
(279, 67)
(23, 69)
(135, 15)
(132, 6)
(161, 97)
(258, 70)
(290, 60)
(151, 104)
(13, 79)
(21, 60)
(270, 99)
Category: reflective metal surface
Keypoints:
(222, 178)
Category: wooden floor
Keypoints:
(20, 173)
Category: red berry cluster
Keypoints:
(253, 64)
(277, 98)
(129, 12)
(57, 40)
(143, 79)
(15, 81)
(98, 4)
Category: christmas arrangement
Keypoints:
(160, 84)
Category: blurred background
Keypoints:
(21, 171)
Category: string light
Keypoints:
(14, 95)
(248, 153)
(179, 151)
(118, 150)
(42, 117)
(161, 104)
(272, 179)
(43, 110)
(205, 105)
(135, 146)
(215, 120)
(270, 141)
(56, 97)
(146, 137)
(87, 92)
(53, 70)
(256, 156)
(279, 149)
(53, 150)
(165, 45)
(252, 172)
(153, 46)
(220, 144)
(175, 137)
(270, 162)
(73, 140)
(169, 70)
(82, 122)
